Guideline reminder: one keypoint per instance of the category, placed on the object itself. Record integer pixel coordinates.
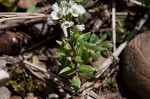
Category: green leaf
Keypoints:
(87, 15)
(85, 36)
(85, 54)
(98, 48)
(122, 30)
(98, 42)
(78, 59)
(31, 9)
(58, 1)
(105, 53)
(91, 74)
(68, 0)
(59, 42)
(92, 38)
(107, 44)
(13, 8)
(60, 53)
(80, 49)
(121, 23)
(98, 53)
(96, 39)
(67, 47)
(104, 37)
(76, 82)
(94, 55)
(65, 63)
(67, 71)
(74, 32)
(90, 45)
(85, 69)
(88, 3)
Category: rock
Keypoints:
(10, 43)
(3, 64)
(4, 93)
(4, 77)
(135, 65)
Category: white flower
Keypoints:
(82, 9)
(64, 10)
(64, 5)
(51, 22)
(55, 7)
(80, 27)
(66, 24)
(56, 15)
(75, 10)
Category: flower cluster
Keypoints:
(64, 12)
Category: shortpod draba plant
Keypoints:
(76, 49)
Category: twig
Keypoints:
(10, 24)
(35, 66)
(9, 20)
(114, 25)
(18, 16)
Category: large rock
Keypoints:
(4, 93)
(135, 65)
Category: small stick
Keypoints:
(35, 66)
(11, 24)
(114, 25)
(22, 17)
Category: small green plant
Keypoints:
(123, 31)
(76, 51)
(22, 84)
